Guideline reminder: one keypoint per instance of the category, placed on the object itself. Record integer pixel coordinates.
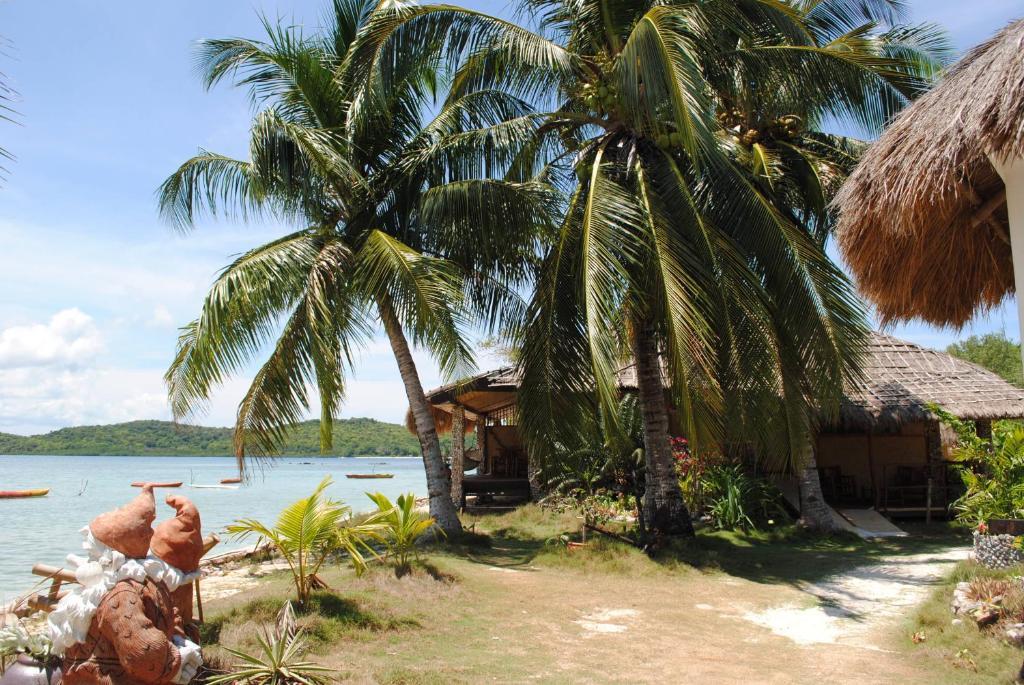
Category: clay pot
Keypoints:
(27, 671)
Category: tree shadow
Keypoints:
(796, 557)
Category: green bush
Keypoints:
(737, 500)
(307, 532)
(279, 660)
(400, 526)
(992, 471)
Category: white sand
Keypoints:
(852, 606)
(600, 620)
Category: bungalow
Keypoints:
(886, 450)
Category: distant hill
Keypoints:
(352, 437)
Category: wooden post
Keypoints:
(933, 455)
(458, 452)
(928, 501)
(199, 601)
(1011, 170)
(871, 468)
(983, 427)
(481, 442)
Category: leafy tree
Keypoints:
(402, 225)
(349, 438)
(698, 179)
(995, 352)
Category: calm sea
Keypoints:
(45, 529)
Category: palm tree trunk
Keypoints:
(815, 514)
(664, 511)
(438, 487)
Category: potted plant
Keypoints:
(25, 648)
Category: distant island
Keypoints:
(352, 438)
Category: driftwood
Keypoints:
(614, 536)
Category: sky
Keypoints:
(93, 286)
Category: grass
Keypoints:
(506, 602)
(984, 656)
(529, 535)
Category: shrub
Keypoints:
(307, 532)
(279, 661)
(400, 527)
(692, 467)
(735, 499)
(993, 472)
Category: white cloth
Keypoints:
(191, 659)
(97, 574)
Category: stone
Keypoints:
(986, 616)
(996, 551)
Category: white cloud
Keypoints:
(161, 317)
(69, 339)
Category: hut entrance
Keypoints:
(502, 466)
(900, 473)
(495, 472)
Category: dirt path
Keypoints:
(855, 607)
(717, 628)
(518, 621)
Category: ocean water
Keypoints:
(45, 529)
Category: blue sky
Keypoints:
(92, 285)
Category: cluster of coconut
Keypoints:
(996, 551)
(599, 97)
(788, 127)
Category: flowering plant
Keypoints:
(27, 636)
(982, 528)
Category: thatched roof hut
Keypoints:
(900, 379)
(923, 220)
(487, 392)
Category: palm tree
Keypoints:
(307, 532)
(692, 231)
(397, 226)
(8, 96)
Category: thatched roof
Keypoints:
(901, 378)
(922, 219)
(486, 392)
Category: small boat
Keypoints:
(229, 481)
(12, 494)
(213, 487)
(168, 484)
(369, 475)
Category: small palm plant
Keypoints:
(279, 661)
(307, 532)
(401, 526)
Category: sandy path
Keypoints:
(854, 607)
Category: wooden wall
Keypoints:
(849, 451)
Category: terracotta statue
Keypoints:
(178, 542)
(119, 625)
